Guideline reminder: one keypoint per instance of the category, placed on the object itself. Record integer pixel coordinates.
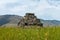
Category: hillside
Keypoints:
(14, 19)
(9, 19)
(51, 22)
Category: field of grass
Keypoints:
(47, 33)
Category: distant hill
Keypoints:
(14, 19)
(51, 22)
(9, 19)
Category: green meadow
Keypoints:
(44, 33)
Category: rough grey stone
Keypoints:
(30, 19)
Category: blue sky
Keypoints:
(44, 9)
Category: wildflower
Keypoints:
(46, 36)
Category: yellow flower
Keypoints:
(46, 33)
(46, 36)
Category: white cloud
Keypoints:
(18, 8)
(41, 8)
(7, 1)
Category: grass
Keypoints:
(45, 33)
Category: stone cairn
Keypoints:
(30, 19)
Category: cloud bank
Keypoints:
(44, 9)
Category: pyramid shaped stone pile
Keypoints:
(30, 19)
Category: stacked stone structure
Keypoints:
(30, 19)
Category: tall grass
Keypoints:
(47, 33)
